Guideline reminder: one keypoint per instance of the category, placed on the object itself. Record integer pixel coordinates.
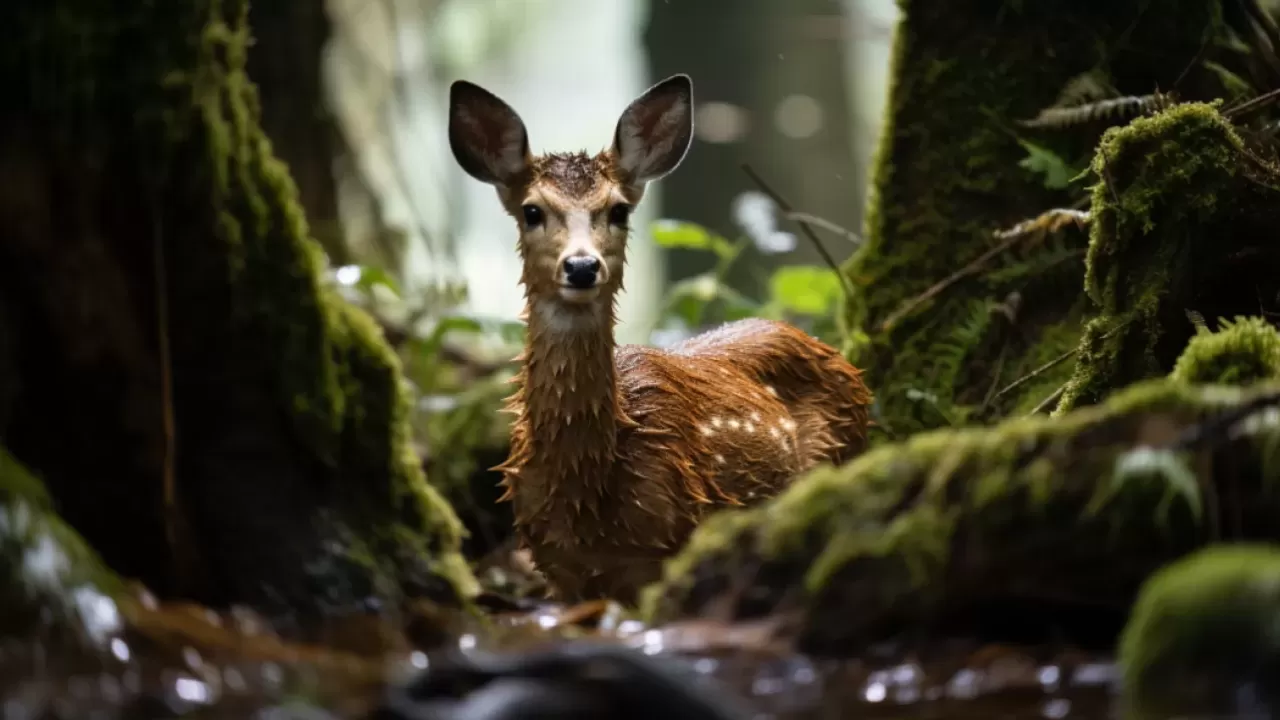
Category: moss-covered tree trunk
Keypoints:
(949, 175)
(203, 409)
(1184, 221)
(286, 63)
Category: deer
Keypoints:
(619, 451)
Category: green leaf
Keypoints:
(1234, 86)
(689, 236)
(511, 331)
(1042, 161)
(429, 345)
(805, 289)
(371, 276)
(690, 298)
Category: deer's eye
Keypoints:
(532, 215)
(619, 214)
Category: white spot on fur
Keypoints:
(788, 424)
(749, 427)
(706, 430)
(755, 417)
(719, 458)
(772, 391)
(774, 432)
(734, 424)
(716, 422)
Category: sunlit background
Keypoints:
(794, 89)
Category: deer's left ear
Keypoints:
(655, 131)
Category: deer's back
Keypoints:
(822, 391)
(730, 416)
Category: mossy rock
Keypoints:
(1183, 219)
(1204, 640)
(950, 172)
(1239, 353)
(203, 408)
(1037, 517)
(52, 585)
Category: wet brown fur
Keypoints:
(615, 455)
(618, 452)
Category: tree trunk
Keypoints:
(203, 409)
(285, 61)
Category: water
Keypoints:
(183, 661)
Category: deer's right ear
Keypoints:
(487, 137)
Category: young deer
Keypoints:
(617, 452)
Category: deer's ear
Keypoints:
(487, 137)
(655, 131)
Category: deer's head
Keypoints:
(572, 209)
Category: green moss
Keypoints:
(1204, 637)
(1178, 200)
(51, 578)
(1080, 507)
(947, 176)
(293, 449)
(1240, 353)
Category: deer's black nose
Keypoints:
(581, 271)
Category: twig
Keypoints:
(787, 209)
(995, 378)
(1204, 45)
(1045, 403)
(1254, 103)
(825, 224)
(936, 289)
(173, 516)
(1050, 365)
(1011, 238)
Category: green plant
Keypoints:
(457, 365)
(805, 294)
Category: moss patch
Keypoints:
(948, 176)
(1239, 353)
(1076, 510)
(52, 581)
(145, 215)
(1182, 220)
(1204, 639)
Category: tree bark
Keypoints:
(204, 410)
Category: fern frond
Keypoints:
(1048, 222)
(949, 354)
(1120, 108)
(1086, 87)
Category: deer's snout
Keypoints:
(581, 272)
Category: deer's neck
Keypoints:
(570, 410)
